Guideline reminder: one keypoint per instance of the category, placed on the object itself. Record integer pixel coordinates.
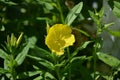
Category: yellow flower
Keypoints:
(59, 36)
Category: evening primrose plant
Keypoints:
(59, 58)
(13, 55)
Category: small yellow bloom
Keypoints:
(59, 37)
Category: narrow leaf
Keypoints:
(83, 46)
(3, 54)
(3, 71)
(116, 9)
(42, 53)
(49, 76)
(101, 12)
(73, 13)
(106, 26)
(47, 64)
(94, 17)
(110, 60)
(22, 55)
(117, 4)
(43, 62)
(114, 33)
(27, 74)
(47, 27)
(81, 58)
(83, 32)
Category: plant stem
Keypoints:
(96, 47)
(57, 68)
(60, 10)
(68, 52)
(12, 68)
(94, 60)
(13, 74)
(58, 73)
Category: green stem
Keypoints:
(12, 68)
(94, 60)
(58, 73)
(60, 10)
(96, 48)
(57, 68)
(68, 52)
(13, 74)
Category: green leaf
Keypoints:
(28, 74)
(83, 32)
(83, 46)
(38, 78)
(47, 64)
(94, 17)
(22, 55)
(73, 13)
(43, 62)
(32, 73)
(97, 16)
(114, 33)
(49, 76)
(81, 58)
(116, 9)
(106, 26)
(2, 28)
(3, 71)
(3, 54)
(101, 12)
(49, 6)
(8, 2)
(116, 4)
(43, 18)
(110, 60)
(76, 66)
(42, 53)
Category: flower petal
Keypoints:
(59, 37)
(70, 40)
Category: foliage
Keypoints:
(28, 57)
